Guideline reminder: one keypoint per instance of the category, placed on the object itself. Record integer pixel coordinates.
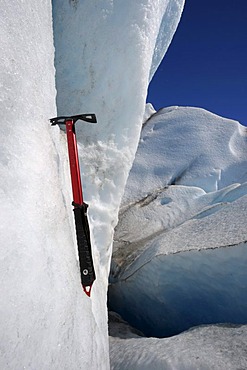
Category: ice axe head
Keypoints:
(91, 118)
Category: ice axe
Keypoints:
(80, 207)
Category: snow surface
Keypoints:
(104, 53)
(180, 248)
(204, 348)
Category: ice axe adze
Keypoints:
(80, 207)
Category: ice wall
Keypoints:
(46, 320)
(104, 53)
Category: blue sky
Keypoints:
(206, 64)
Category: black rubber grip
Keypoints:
(84, 245)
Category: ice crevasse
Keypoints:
(105, 54)
(180, 251)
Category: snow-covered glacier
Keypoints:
(106, 52)
(180, 250)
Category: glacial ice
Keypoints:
(180, 249)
